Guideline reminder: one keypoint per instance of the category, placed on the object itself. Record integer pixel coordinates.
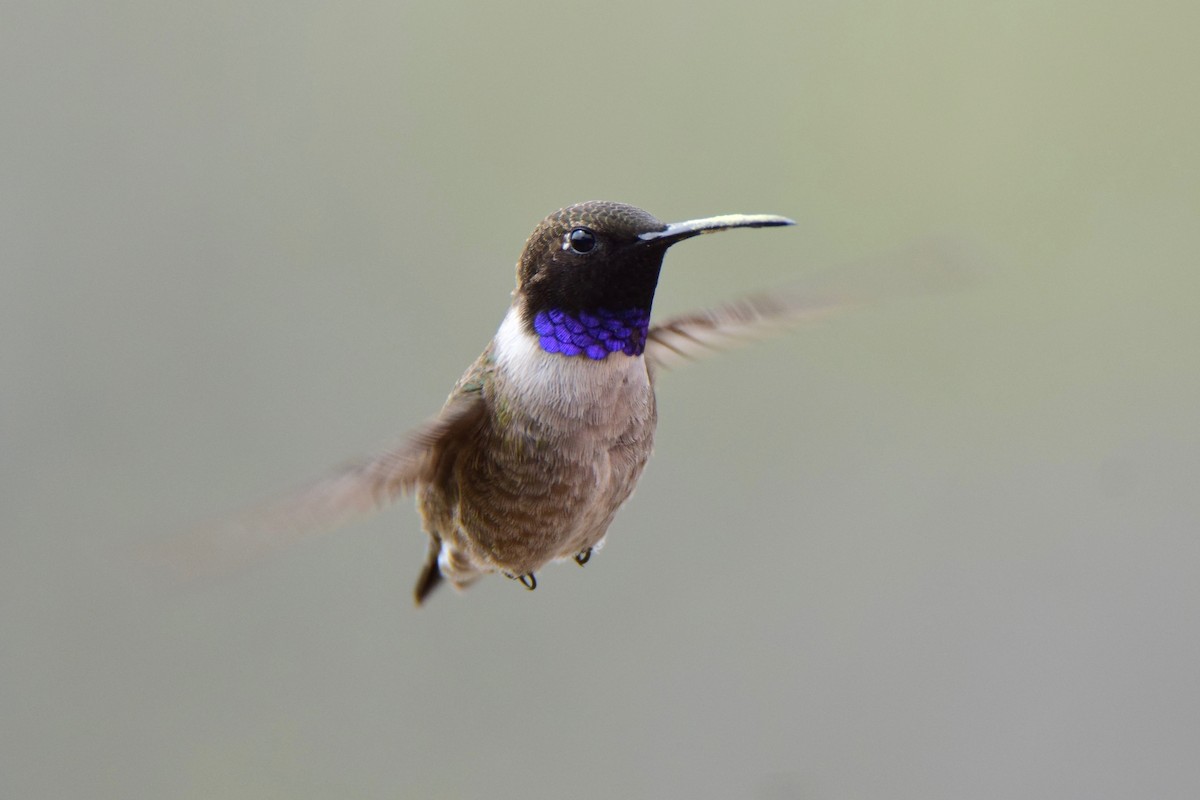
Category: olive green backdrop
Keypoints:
(945, 547)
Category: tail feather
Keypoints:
(431, 573)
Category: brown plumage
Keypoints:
(539, 443)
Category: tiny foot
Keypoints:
(528, 580)
(583, 557)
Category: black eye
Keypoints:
(581, 240)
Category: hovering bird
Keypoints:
(546, 435)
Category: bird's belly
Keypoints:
(550, 479)
(515, 517)
(616, 473)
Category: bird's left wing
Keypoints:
(692, 336)
(924, 267)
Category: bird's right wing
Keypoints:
(355, 489)
(924, 267)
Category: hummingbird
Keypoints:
(545, 435)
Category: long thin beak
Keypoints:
(678, 231)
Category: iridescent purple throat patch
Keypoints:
(594, 334)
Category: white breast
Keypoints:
(606, 393)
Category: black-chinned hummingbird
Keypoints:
(546, 435)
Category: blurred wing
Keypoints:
(925, 267)
(690, 337)
(355, 489)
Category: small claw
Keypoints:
(528, 580)
(583, 557)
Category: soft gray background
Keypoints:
(943, 548)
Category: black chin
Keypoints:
(603, 286)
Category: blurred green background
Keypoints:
(942, 548)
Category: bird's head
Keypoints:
(587, 275)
